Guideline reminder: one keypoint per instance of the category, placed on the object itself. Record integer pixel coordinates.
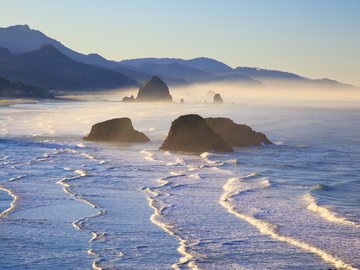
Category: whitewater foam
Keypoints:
(17, 178)
(81, 173)
(80, 224)
(205, 155)
(233, 188)
(194, 176)
(12, 205)
(95, 266)
(154, 194)
(327, 213)
(187, 258)
(81, 145)
(148, 155)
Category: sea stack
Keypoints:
(154, 90)
(116, 130)
(218, 99)
(128, 99)
(190, 133)
(236, 134)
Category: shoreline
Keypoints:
(5, 102)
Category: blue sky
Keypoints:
(315, 38)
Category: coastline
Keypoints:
(4, 102)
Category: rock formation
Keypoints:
(218, 99)
(210, 94)
(154, 90)
(116, 130)
(128, 99)
(190, 133)
(237, 134)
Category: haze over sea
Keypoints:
(70, 204)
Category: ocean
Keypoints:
(66, 203)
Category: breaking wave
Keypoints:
(234, 188)
(326, 213)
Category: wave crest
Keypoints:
(233, 187)
(327, 213)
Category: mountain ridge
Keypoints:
(50, 69)
(9, 89)
(21, 38)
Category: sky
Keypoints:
(314, 38)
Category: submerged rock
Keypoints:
(154, 90)
(116, 130)
(237, 134)
(218, 99)
(190, 133)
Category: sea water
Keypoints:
(66, 203)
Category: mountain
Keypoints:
(143, 75)
(175, 70)
(50, 69)
(20, 38)
(10, 89)
(199, 70)
(130, 72)
(204, 69)
(194, 75)
(179, 71)
(208, 65)
(4, 53)
(270, 77)
(260, 74)
(203, 64)
(149, 60)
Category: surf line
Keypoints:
(67, 189)
(12, 205)
(269, 229)
(16, 178)
(326, 213)
(153, 194)
(11, 193)
(79, 224)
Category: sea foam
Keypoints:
(234, 187)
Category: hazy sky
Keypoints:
(315, 38)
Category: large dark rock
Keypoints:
(116, 130)
(237, 134)
(190, 133)
(154, 90)
(218, 99)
